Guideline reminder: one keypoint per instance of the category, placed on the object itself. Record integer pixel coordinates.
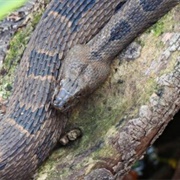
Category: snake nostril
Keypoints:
(55, 102)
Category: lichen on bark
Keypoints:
(124, 117)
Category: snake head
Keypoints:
(79, 76)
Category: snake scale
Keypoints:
(95, 31)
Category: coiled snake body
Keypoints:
(31, 126)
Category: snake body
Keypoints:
(31, 127)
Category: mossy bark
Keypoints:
(14, 37)
(127, 114)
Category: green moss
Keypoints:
(17, 46)
(158, 28)
(14, 54)
(36, 18)
(165, 24)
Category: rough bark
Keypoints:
(128, 113)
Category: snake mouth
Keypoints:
(64, 100)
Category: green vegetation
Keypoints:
(7, 6)
(12, 59)
(165, 24)
(14, 54)
(158, 28)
